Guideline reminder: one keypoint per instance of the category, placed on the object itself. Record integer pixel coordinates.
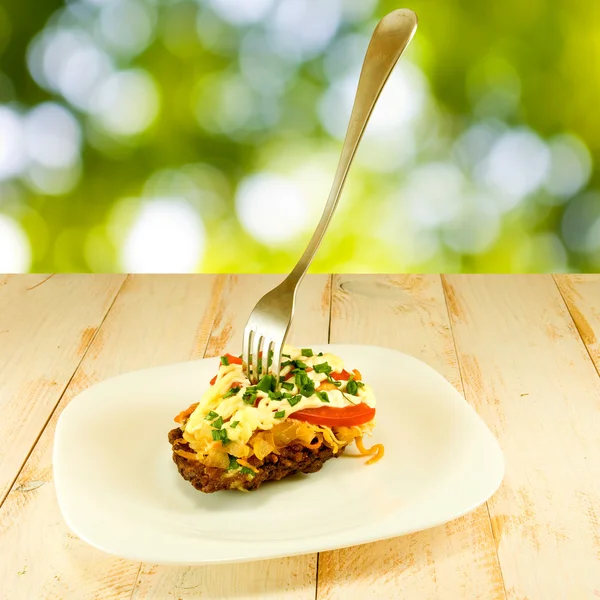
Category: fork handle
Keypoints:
(391, 36)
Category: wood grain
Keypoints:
(454, 561)
(154, 320)
(282, 579)
(528, 374)
(582, 296)
(46, 325)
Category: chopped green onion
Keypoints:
(224, 361)
(286, 355)
(232, 392)
(286, 363)
(218, 423)
(308, 389)
(294, 400)
(287, 385)
(320, 354)
(266, 383)
(301, 378)
(251, 388)
(275, 395)
(280, 414)
(301, 365)
(211, 415)
(360, 384)
(233, 463)
(287, 396)
(307, 352)
(323, 368)
(323, 397)
(234, 424)
(250, 397)
(247, 471)
(352, 387)
(220, 435)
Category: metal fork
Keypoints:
(269, 322)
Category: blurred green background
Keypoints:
(181, 136)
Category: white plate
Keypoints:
(119, 490)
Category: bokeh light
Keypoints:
(167, 236)
(15, 252)
(203, 135)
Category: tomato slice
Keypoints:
(343, 376)
(233, 360)
(333, 416)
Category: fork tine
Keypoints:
(246, 350)
(276, 368)
(267, 343)
(256, 346)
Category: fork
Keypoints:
(269, 322)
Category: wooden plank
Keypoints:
(284, 579)
(457, 560)
(581, 294)
(46, 325)
(529, 375)
(155, 319)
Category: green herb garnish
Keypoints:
(275, 395)
(287, 385)
(224, 361)
(280, 414)
(308, 389)
(322, 396)
(307, 352)
(250, 397)
(352, 387)
(287, 396)
(232, 392)
(233, 463)
(301, 378)
(218, 423)
(266, 383)
(294, 400)
(247, 471)
(211, 415)
(286, 355)
(234, 424)
(323, 368)
(360, 384)
(320, 354)
(300, 364)
(220, 435)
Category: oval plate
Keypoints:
(119, 490)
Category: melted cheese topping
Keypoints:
(262, 415)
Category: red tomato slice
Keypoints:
(213, 380)
(343, 376)
(336, 417)
(233, 360)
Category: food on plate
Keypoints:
(240, 435)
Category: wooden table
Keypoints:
(523, 350)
